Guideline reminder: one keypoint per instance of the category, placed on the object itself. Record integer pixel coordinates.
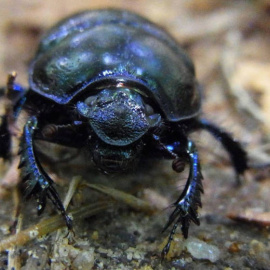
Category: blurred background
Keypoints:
(229, 42)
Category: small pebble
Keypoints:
(201, 250)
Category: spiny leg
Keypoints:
(15, 98)
(37, 181)
(11, 95)
(186, 207)
(237, 154)
(5, 138)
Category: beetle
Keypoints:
(119, 86)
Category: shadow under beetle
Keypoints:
(113, 83)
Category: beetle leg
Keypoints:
(5, 138)
(186, 207)
(12, 98)
(36, 180)
(70, 135)
(237, 153)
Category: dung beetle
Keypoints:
(117, 85)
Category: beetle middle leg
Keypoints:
(186, 206)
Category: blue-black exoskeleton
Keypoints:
(117, 85)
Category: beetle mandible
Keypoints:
(117, 85)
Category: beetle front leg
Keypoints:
(36, 180)
(186, 207)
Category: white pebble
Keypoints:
(201, 250)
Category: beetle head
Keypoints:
(119, 117)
